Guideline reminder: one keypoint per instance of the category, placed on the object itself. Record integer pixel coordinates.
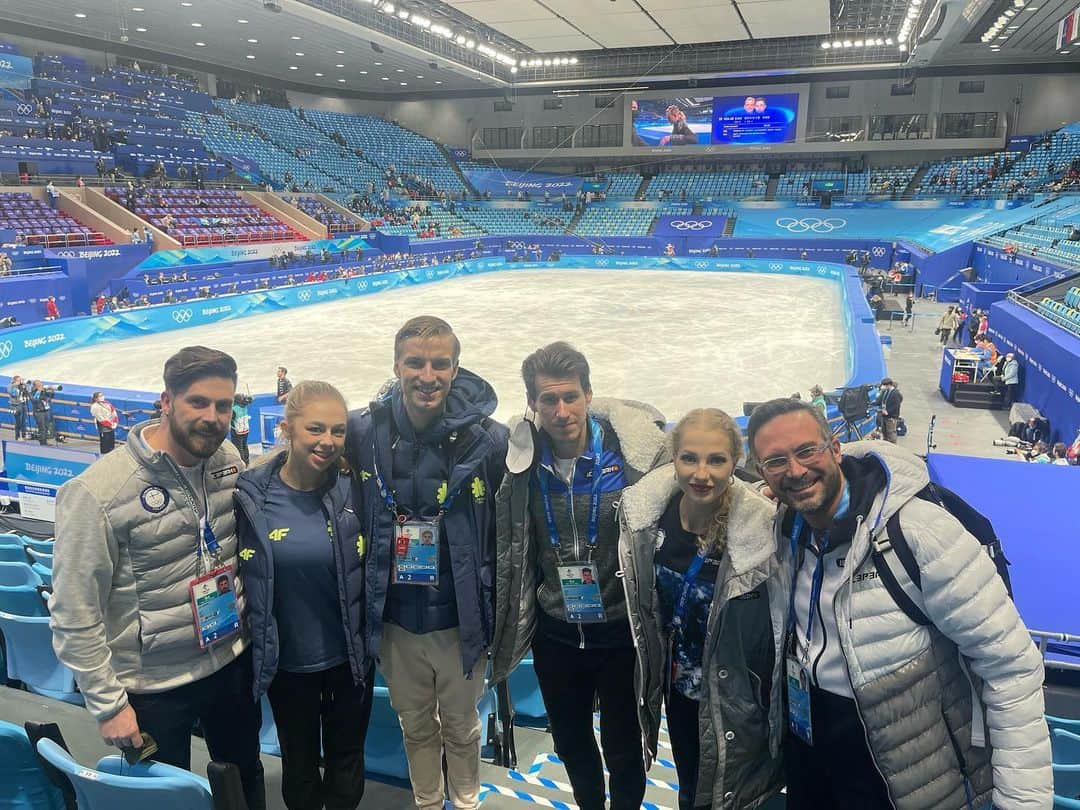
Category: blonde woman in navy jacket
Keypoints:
(302, 567)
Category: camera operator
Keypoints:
(107, 421)
(240, 424)
(41, 399)
(18, 397)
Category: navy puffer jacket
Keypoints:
(257, 568)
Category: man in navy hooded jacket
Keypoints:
(427, 462)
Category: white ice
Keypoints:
(677, 340)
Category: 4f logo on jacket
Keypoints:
(440, 493)
(277, 535)
(246, 554)
(478, 490)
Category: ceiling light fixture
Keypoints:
(513, 69)
(250, 56)
(342, 81)
(340, 53)
(141, 30)
(299, 53)
(253, 41)
(363, 73)
(293, 67)
(200, 44)
(318, 74)
(339, 66)
(196, 25)
(186, 5)
(404, 84)
(137, 8)
(80, 15)
(242, 22)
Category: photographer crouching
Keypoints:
(41, 400)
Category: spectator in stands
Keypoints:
(308, 629)
(147, 235)
(100, 167)
(434, 639)
(912, 687)
(136, 236)
(79, 182)
(53, 194)
(136, 504)
(106, 419)
(694, 548)
(18, 400)
(577, 656)
(52, 311)
(5, 264)
(283, 384)
(1058, 454)
(947, 325)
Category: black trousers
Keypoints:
(106, 440)
(44, 422)
(322, 711)
(570, 681)
(682, 724)
(239, 441)
(20, 423)
(837, 772)
(226, 711)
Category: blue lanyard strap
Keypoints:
(815, 584)
(689, 578)
(391, 503)
(544, 481)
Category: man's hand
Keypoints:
(122, 730)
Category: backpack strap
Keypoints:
(898, 571)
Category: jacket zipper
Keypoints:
(577, 543)
(642, 655)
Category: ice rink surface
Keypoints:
(678, 340)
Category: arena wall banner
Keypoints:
(165, 259)
(501, 183)
(679, 225)
(16, 72)
(42, 465)
(992, 264)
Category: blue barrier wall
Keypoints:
(980, 295)
(1049, 364)
(939, 273)
(24, 297)
(995, 265)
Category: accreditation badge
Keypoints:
(213, 603)
(416, 553)
(798, 692)
(581, 592)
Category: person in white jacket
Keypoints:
(885, 712)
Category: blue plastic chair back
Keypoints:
(384, 749)
(40, 557)
(23, 784)
(13, 554)
(268, 739)
(30, 658)
(44, 546)
(17, 573)
(1062, 803)
(24, 601)
(525, 691)
(1064, 723)
(8, 539)
(1065, 747)
(146, 785)
(44, 573)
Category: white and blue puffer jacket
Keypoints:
(928, 696)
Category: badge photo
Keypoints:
(154, 499)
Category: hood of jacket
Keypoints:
(634, 423)
(471, 398)
(750, 544)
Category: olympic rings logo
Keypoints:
(304, 295)
(182, 315)
(878, 251)
(691, 224)
(811, 224)
(776, 266)
(6, 348)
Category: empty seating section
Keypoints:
(623, 186)
(386, 144)
(795, 184)
(604, 221)
(705, 185)
(890, 179)
(1047, 237)
(963, 175)
(210, 217)
(334, 220)
(550, 219)
(1064, 313)
(230, 138)
(422, 226)
(1045, 162)
(301, 139)
(39, 224)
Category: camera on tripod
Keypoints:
(243, 400)
(1014, 446)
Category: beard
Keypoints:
(197, 442)
(827, 486)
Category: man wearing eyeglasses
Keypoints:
(885, 712)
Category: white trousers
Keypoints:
(436, 706)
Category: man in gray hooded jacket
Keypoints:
(142, 536)
(884, 711)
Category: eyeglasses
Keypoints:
(804, 455)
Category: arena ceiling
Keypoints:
(379, 47)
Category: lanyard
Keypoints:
(815, 582)
(388, 497)
(689, 578)
(543, 478)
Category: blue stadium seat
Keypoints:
(148, 784)
(384, 749)
(24, 600)
(39, 557)
(1062, 803)
(44, 573)
(30, 658)
(23, 784)
(17, 574)
(9, 539)
(1069, 724)
(13, 554)
(525, 691)
(44, 546)
(1066, 748)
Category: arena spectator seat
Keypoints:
(23, 783)
(32, 661)
(531, 219)
(434, 213)
(224, 218)
(704, 185)
(890, 180)
(1046, 162)
(335, 221)
(963, 175)
(600, 220)
(797, 184)
(623, 185)
(40, 224)
(1046, 237)
(19, 590)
